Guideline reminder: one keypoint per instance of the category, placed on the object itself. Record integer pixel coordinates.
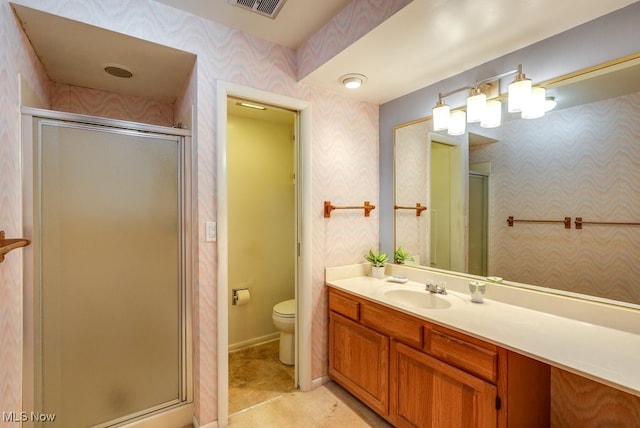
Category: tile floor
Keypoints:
(262, 394)
(328, 406)
(256, 375)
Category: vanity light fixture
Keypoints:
(492, 116)
(457, 122)
(476, 105)
(484, 105)
(353, 80)
(535, 107)
(519, 91)
(441, 115)
(550, 103)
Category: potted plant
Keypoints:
(401, 256)
(377, 261)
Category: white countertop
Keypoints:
(599, 352)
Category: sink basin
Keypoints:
(417, 298)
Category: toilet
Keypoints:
(284, 318)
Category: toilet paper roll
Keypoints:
(243, 297)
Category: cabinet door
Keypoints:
(359, 361)
(428, 393)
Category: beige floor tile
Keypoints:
(328, 406)
(256, 375)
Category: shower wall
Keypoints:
(260, 165)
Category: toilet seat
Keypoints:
(286, 309)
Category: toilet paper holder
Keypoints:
(235, 294)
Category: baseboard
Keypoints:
(315, 383)
(213, 424)
(253, 342)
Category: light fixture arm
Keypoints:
(442, 96)
(518, 72)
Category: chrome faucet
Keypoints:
(435, 288)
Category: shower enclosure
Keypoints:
(110, 323)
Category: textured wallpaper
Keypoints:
(74, 99)
(412, 152)
(344, 160)
(16, 57)
(353, 22)
(578, 162)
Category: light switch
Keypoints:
(210, 231)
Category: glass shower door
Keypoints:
(111, 290)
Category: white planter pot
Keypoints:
(377, 272)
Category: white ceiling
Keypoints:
(425, 42)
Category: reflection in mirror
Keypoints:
(580, 160)
(433, 237)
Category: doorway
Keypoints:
(261, 176)
(110, 297)
(478, 223)
(302, 250)
(447, 194)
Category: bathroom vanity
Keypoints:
(421, 359)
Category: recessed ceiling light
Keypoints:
(118, 71)
(353, 80)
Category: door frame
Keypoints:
(459, 172)
(303, 220)
(183, 411)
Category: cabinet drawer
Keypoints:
(343, 305)
(402, 328)
(463, 354)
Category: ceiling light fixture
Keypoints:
(250, 105)
(353, 80)
(484, 106)
(118, 71)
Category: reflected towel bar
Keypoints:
(566, 221)
(328, 208)
(419, 208)
(579, 222)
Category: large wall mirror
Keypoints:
(581, 161)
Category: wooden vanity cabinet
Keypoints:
(359, 361)
(418, 374)
(427, 392)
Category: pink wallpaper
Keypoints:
(344, 152)
(353, 22)
(412, 152)
(577, 162)
(74, 99)
(15, 57)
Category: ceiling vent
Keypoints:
(269, 8)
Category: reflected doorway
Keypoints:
(447, 190)
(478, 222)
